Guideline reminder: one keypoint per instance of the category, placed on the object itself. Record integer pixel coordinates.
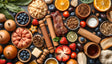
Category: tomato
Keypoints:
(83, 24)
(73, 55)
(2, 61)
(66, 14)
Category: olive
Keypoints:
(1, 25)
(100, 20)
(72, 13)
(99, 33)
(103, 16)
(70, 9)
(82, 39)
(80, 46)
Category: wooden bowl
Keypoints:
(21, 24)
(29, 43)
(78, 11)
(88, 51)
(108, 14)
(21, 59)
(92, 16)
(51, 59)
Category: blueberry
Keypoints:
(96, 29)
(99, 33)
(51, 7)
(21, 54)
(50, 55)
(72, 13)
(77, 50)
(100, 20)
(22, 22)
(70, 9)
(28, 54)
(62, 63)
(25, 14)
(19, 21)
(23, 51)
(31, 47)
(18, 17)
(2, 56)
(14, 14)
(1, 25)
(26, 22)
(82, 39)
(91, 61)
(20, 14)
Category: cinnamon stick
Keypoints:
(46, 36)
(51, 29)
(89, 35)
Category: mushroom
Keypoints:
(74, 3)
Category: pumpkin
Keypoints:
(10, 52)
(1, 49)
(4, 37)
(10, 25)
(19, 62)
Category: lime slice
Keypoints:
(72, 36)
(86, 1)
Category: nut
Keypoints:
(74, 3)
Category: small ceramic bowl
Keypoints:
(105, 27)
(92, 50)
(92, 16)
(77, 25)
(27, 59)
(18, 22)
(51, 59)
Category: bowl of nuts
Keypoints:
(106, 28)
(72, 23)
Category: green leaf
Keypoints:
(7, 14)
(1, 5)
(56, 39)
(21, 2)
(14, 8)
(1, 0)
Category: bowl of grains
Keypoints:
(106, 28)
(72, 23)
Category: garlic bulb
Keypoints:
(48, 1)
(74, 3)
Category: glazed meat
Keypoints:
(59, 27)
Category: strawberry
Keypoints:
(65, 58)
(59, 49)
(9, 63)
(63, 40)
(2, 61)
(59, 58)
(62, 53)
(73, 46)
(66, 49)
(35, 22)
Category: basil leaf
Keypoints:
(14, 8)
(21, 2)
(7, 14)
(56, 39)
(1, 0)
(1, 5)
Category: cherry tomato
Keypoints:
(83, 24)
(66, 14)
(73, 55)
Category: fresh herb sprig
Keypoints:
(12, 5)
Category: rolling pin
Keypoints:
(89, 35)
(46, 36)
(51, 29)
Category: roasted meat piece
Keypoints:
(59, 27)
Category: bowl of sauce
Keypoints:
(51, 61)
(92, 50)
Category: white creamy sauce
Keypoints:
(92, 22)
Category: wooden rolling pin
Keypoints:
(46, 36)
(89, 35)
(51, 29)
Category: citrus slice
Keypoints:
(72, 36)
(102, 5)
(86, 1)
(62, 4)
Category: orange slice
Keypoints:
(102, 5)
(62, 4)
